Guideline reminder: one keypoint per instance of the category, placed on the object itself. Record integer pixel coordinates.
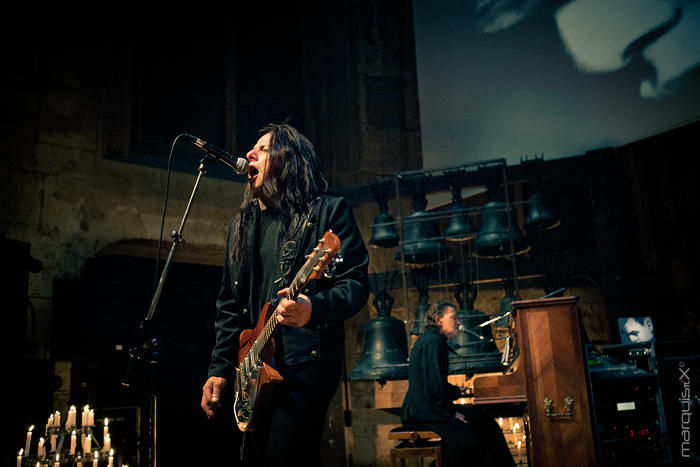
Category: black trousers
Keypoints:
(291, 427)
(479, 442)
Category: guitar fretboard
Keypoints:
(295, 287)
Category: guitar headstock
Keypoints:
(326, 249)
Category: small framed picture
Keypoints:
(635, 329)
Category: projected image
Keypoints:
(635, 329)
(512, 78)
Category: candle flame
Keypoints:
(111, 452)
(21, 451)
(106, 421)
(31, 428)
(58, 457)
(96, 455)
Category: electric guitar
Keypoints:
(254, 373)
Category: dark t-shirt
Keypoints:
(267, 262)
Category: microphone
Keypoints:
(238, 164)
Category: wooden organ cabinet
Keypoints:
(549, 377)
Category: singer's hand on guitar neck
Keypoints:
(294, 313)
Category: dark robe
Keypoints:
(428, 403)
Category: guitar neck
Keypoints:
(271, 325)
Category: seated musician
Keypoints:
(470, 436)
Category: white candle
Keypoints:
(88, 445)
(29, 440)
(107, 443)
(52, 439)
(72, 442)
(84, 419)
(111, 458)
(71, 417)
(94, 460)
(91, 417)
(48, 424)
(41, 450)
(57, 418)
(19, 458)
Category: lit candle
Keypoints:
(48, 424)
(72, 442)
(84, 419)
(19, 458)
(94, 459)
(57, 418)
(57, 463)
(71, 417)
(29, 440)
(107, 443)
(106, 429)
(111, 458)
(88, 445)
(91, 417)
(41, 450)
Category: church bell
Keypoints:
(539, 216)
(460, 226)
(497, 232)
(385, 353)
(384, 233)
(422, 240)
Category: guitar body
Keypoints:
(252, 386)
(255, 373)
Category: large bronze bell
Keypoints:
(539, 216)
(475, 350)
(420, 313)
(422, 240)
(460, 226)
(385, 353)
(421, 280)
(384, 233)
(496, 233)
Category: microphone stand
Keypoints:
(145, 330)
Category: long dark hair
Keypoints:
(293, 181)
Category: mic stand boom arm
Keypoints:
(145, 326)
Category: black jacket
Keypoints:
(429, 396)
(333, 300)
